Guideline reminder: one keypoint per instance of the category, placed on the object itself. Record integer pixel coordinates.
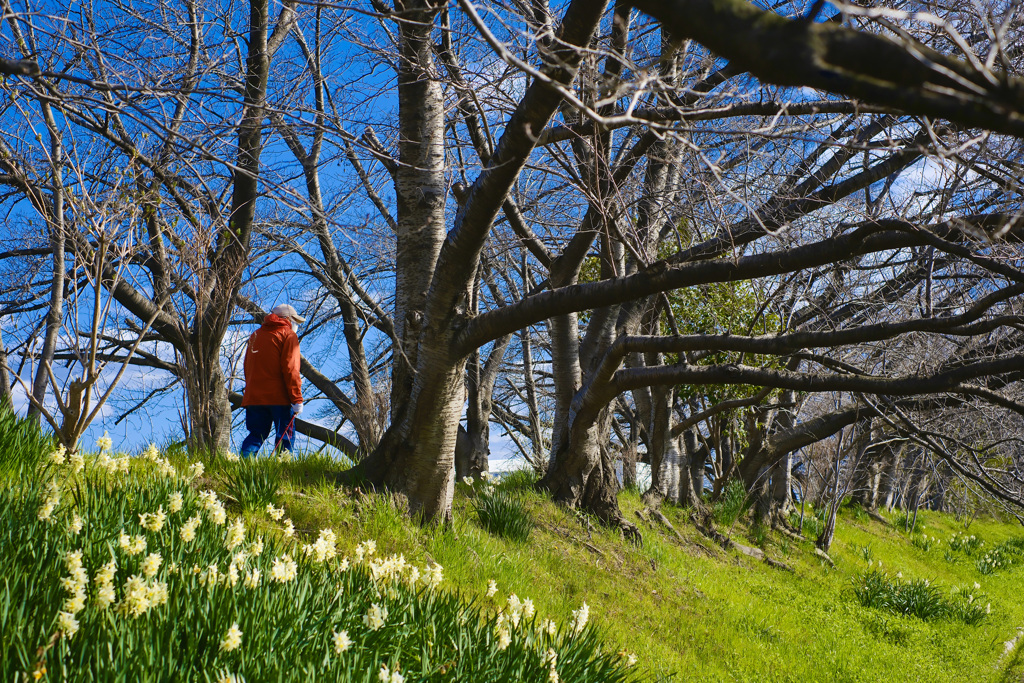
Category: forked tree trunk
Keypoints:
(416, 455)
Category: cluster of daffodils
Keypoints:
(287, 527)
(238, 568)
(284, 569)
(105, 593)
(993, 560)
(340, 641)
(514, 612)
(388, 572)
(232, 639)
(188, 529)
(60, 456)
(375, 617)
(141, 594)
(550, 661)
(74, 584)
(107, 463)
(924, 542)
(163, 467)
(153, 521)
(50, 502)
(131, 545)
(213, 507)
(196, 470)
(386, 675)
(484, 485)
(324, 549)
(968, 544)
(580, 617)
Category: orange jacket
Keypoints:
(272, 365)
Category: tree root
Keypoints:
(823, 555)
(729, 544)
(788, 533)
(657, 516)
(873, 514)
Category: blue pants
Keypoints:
(259, 420)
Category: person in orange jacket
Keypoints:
(273, 386)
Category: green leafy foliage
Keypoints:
(924, 542)
(968, 545)
(1001, 557)
(731, 505)
(252, 482)
(503, 513)
(518, 480)
(918, 598)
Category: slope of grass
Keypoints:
(688, 609)
(692, 611)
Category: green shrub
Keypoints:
(918, 598)
(503, 513)
(252, 482)
(730, 506)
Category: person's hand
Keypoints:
(296, 409)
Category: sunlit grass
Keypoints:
(687, 608)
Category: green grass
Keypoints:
(694, 612)
(689, 610)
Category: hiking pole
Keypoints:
(281, 438)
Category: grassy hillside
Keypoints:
(687, 609)
(691, 610)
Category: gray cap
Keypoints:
(288, 311)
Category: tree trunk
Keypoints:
(691, 480)
(209, 410)
(473, 460)
(419, 189)
(629, 456)
(6, 397)
(663, 452)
